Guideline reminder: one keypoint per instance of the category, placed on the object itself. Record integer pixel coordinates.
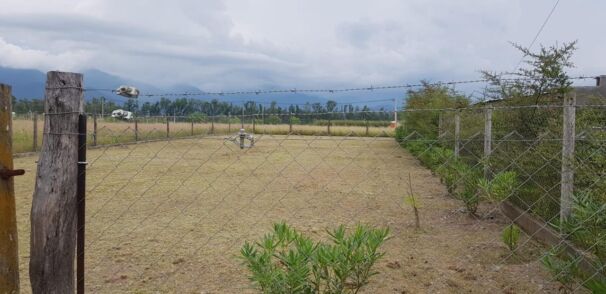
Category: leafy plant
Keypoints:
(511, 236)
(500, 187)
(285, 261)
(411, 200)
(563, 267)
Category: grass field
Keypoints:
(116, 132)
(170, 216)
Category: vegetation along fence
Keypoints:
(541, 165)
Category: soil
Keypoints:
(170, 217)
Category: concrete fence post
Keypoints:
(457, 143)
(487, 141)
(568, 142)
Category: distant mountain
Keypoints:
(26, 83)
(29, 84)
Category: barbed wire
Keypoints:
(331, 91)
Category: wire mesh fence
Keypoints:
(488, 198)
(542, 166)
(107, 130)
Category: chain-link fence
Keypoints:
(537, 170)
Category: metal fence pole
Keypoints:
(568, 142)
(81, 196)
(457, 133)
(9, 255)
(487, 140)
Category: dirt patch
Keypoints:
(171, 216)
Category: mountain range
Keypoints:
(29, 84)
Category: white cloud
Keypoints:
(236, 44)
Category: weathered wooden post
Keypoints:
(9, 254)
(254, 124)
(35, 143)
(212, 125)
(457, 133)
(192, 126)
(167, 127)
(229, 122)
(242, 118)
(54, 207)
(136, 129)
(328, 126)
(487, 140)
(290, 123)
(95, 129)
(568, 142)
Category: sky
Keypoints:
(223, 45)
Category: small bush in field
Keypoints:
(286, 261)
(511, 236)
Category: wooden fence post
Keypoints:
(9, 255)
(457, 133)
(212, 125)
(136, 129)
(192, 127)
(54, 207)
(35, 143)
(487, 141)
(290, 122)
(328, 126)
(95, 129)
(568, 142)
(167, 127)
(254, 124)
(229, 122)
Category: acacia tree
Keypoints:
(543, 74)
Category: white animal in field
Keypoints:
(127, 91)
(122, 114)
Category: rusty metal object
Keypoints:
(9, 173)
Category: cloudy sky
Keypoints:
(246, 44)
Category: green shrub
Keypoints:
(500, 187)
(286, 261)
(511, 236)
(563, 267)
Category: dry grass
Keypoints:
(116, 132)
(170, 216)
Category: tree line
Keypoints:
(214, 107)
